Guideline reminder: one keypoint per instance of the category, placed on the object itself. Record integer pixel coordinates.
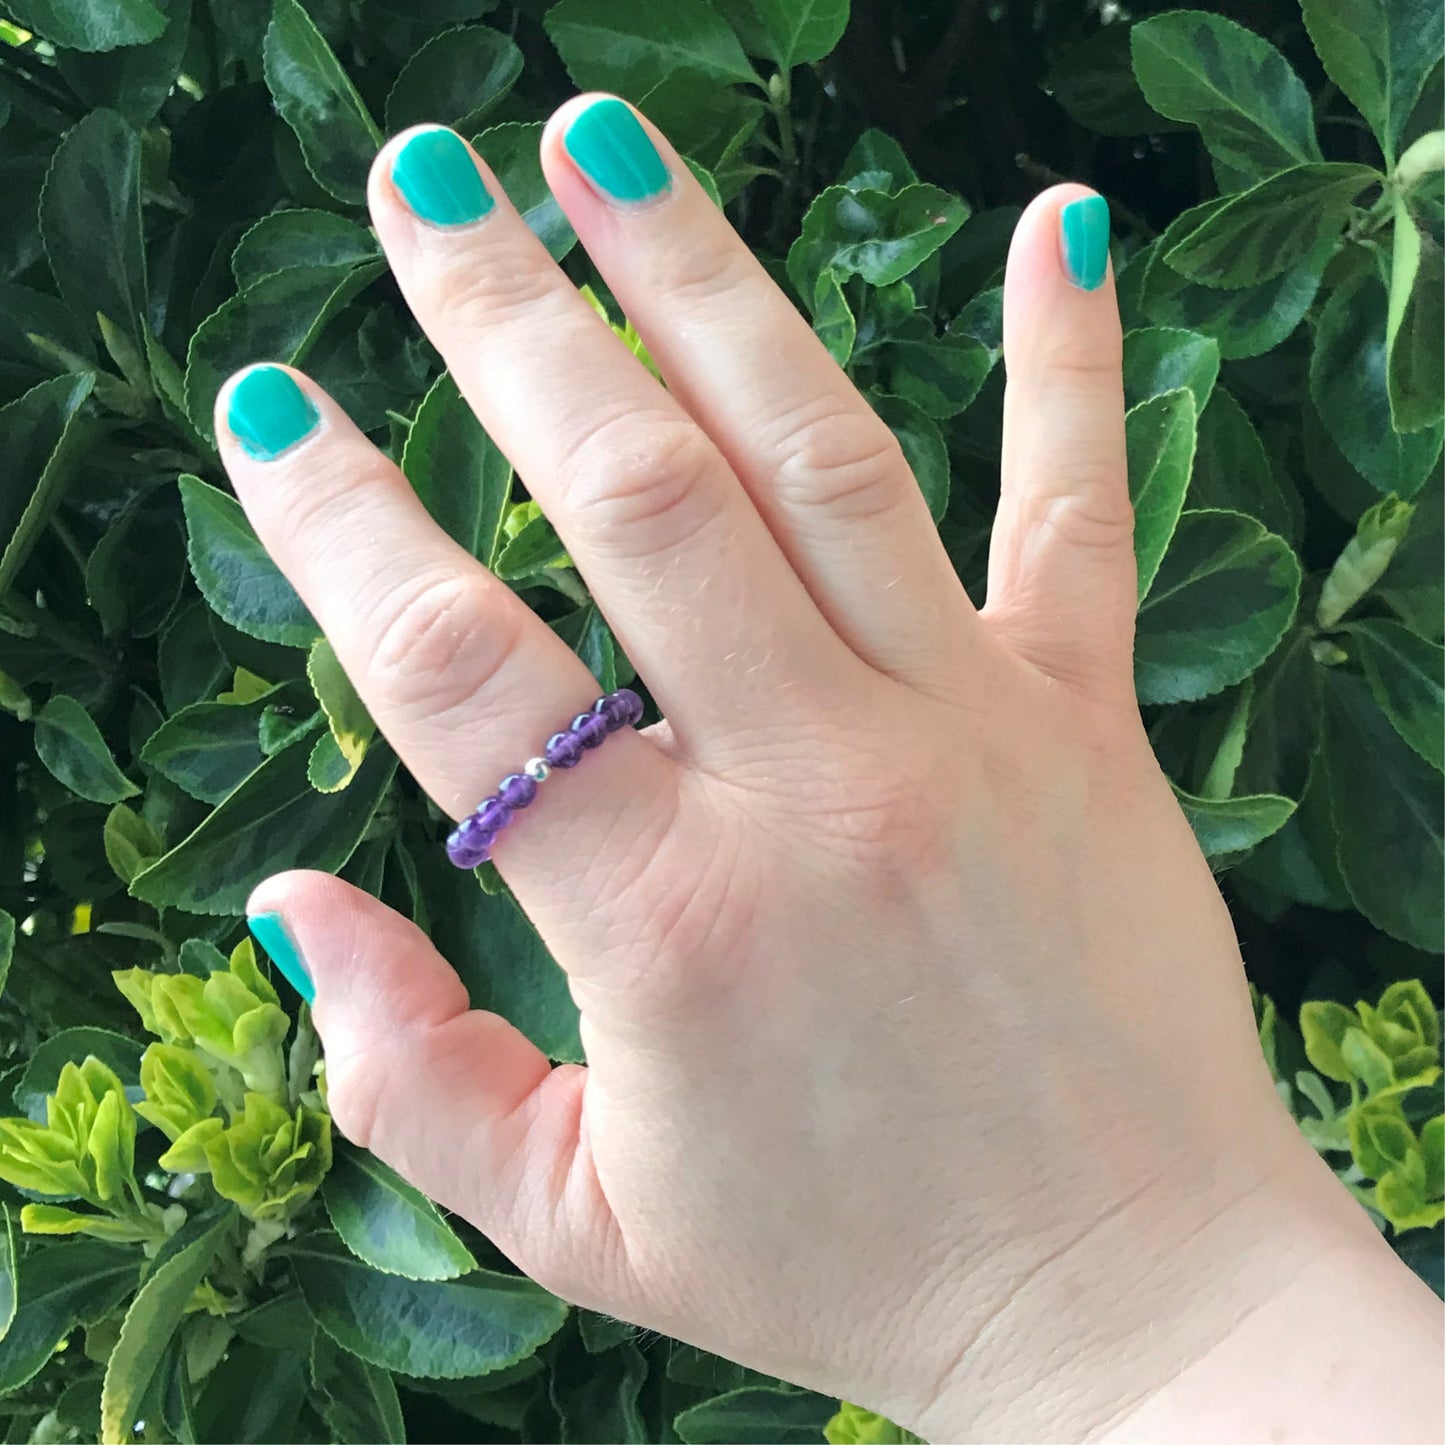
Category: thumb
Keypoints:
(1062, 582)
(456, 1100)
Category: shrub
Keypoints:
(183, 186)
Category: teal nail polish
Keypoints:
(439, 180)
(270, 932)
(1084, 234)
(268, 413)
(613, 151)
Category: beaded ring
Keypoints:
(470, 842)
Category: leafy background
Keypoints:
(183, 185)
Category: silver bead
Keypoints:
(537, 769)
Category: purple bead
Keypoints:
(630, 703)
(492, 815)
(590, 729)
(468, 844)
(563, 750)
(516, 790)
(608, 707)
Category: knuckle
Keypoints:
(475, 292)
(438, 643)
(1094, 513)
(704, 274)
(846, 462)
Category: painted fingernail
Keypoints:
(612, 150)
(269, 930)
(268, 413)
(439, 180)
(1084, 240)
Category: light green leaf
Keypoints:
(853, 1425)
(1161, 435)
(117, 1052)
(385, 1222)
(208, 748)
(1258, 234)
(136, 79)
(286, 240)
(1362, 563)
(131, 844)
(90, 220)
(43, 436)
(629, 46)
(1251, 109)
(1349, 385)
(153, 1317)
(1233, 473)
(1386, 805)
(90, 25)
(536, 546)
(1224, 596)
(1323, 1026)
(9, 1296)
(513, 152)
(758, 1415)
(455, 79)
(1406, 674)
(357, 1400)
(452, 1329)
(273, 821)
(235, 572)
(456, 469)
(1413, 333)
(70, 745)
(351, 726)
(1378, 52)
(1234, 825)
(1161, 358)
(317, 100)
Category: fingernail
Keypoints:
(612, 150)
(270, 932)
(439, 180)
(1084, 235)
(269, 413)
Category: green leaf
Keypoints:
(833, 319)
(629, 46)
(924, 448)
(1323, 1026)
(450, 1330)
(1094, 82)
(798, 32)
(1362, 563)
(1406, 674)
(1161, 435)
(255, 1394)
(1378, 52)
(42, 437)
(1386, 805)
(90, 25)
(58, 1288)
(455, 79)
(1252, 237)
(316, 99)
(134, 80)
(153, 1318)
(286, 240)
(1252, 110)
(1234, 825)
(351, 726)
(853, 1425)
(9, 1297)
(90, 219)
(536, 546)
(7, 955)
(235, 572)
(1160, 358)
(117, 1052)
(596, 1397)
(513, 152)
(1233, 473)
(1225, 594)
(383, 1221)
(208, 748)
(877, 154)
(357, 1400)
(940, 375)
(586, 632)
(872, 234)
(277, 318)
(757, 1415)
(458, 471)
(1349, 385)
(273, 821)
(131, 844)
(70, 745)
(1416, 351)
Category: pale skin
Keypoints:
(921, 1065)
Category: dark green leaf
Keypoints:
(1349, 384)
(923, 448)
(940, 375)
(1378, 52)
(286, 240)
(459, 473)
(1386, 804)
(137, 79)
(74, 1046)
(1406, 674)
(1251, 109)
(1224, 596)
(253, 1397)
(273, 821)
(586, 632)
(756, 1416)
(7, 954)
(1095, 83)
(90, 24)
(1226, 826)
(512, 151)
(1161, 437)
(437, 1329)
(208, 748)
(1160, 358)
(1249, 238)
(316, 99)
(25, 314)
(387, 1223)
(798, 32)
(1416, 365)
(597, 1397)
(455, 79)
(877, 154)
(1233, 473)
(357, 1400)
(90, 218)
(70, 745)
(235, 572)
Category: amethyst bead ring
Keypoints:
(470, 842)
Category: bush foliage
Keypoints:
(183, 184)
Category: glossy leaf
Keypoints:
(923, 446)
(286, 240)
(1413, 336)
(1095, 82)
(1225, 826)
(1406, 675)
(91, 25)
(70, 745)
(940, 375)
(455, 79)
(1233, 472)
(208, 748)
(1159, 359)
(1364, 560)
(357, 1400)
(756, 1416)
(511, 149)
(798, 32)
(1225, 593)
(135, 79)
(1161, 435)
(351, 727)
(41, 1073)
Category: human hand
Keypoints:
(921, 1066)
